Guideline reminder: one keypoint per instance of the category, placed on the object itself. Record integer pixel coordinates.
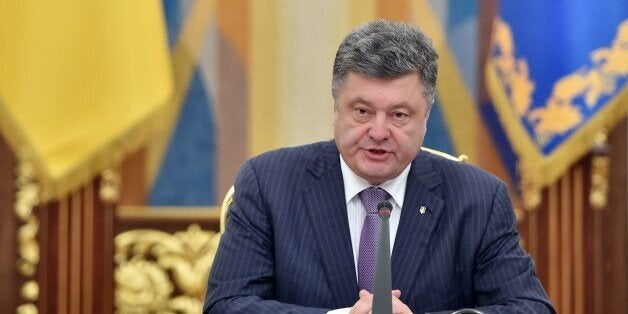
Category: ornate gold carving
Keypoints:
(141, 286)
(110, 186)
(224, 208)
(530, 189)
(461, 158)
(28, 308)
(600, 168)
(152, 265)
(26, 199)
(519, 214)
(30, 290)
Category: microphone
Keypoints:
(382, 297)
(468, 311)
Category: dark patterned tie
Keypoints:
(367, 256)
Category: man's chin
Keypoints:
(376, 177)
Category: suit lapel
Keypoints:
(325, 201)
(415, 228)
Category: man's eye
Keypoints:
(361, 111)
(400, 116)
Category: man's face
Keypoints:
(379, 124)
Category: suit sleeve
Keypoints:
(242, 275)
(505, 280)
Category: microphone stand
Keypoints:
(382, 296)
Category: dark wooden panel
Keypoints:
(49, 261)
(102, 278)
(8, 229)
(133, 190)
(615, 236)
(167, 219)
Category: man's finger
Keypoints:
(364, 304)
(396, 293)
(364, 293)
(398, 306)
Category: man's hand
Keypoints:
(365, 304)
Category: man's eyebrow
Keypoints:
(401, 105)
(404, 105)
(360, 100)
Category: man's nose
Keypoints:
(379, 129)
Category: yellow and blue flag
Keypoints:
(82, 84)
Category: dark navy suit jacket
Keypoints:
(287, 248)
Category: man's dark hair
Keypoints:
(387, 50)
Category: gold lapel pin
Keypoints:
(422, 209)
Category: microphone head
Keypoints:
(384, 208)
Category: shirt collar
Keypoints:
(354, 184)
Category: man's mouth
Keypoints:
(377, 154)
(377, 151)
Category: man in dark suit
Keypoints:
(298, 235)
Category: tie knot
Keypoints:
(371, 197)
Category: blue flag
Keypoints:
(557, 74)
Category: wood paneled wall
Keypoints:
(580, 251)
(76, 268)
(75, 272)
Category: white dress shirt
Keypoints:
(355, 209)
(356, 212)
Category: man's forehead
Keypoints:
(358, 87)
